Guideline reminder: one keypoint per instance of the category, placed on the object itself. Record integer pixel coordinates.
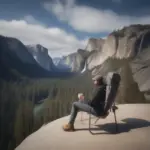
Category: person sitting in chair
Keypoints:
(95, 106)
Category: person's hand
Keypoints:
(81, 96)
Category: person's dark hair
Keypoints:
(100, 81)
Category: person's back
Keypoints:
(98, 99)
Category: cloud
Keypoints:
(31, 20)
(61, 10)
(89, 19)
(55, 39)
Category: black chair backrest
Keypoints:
(112, 80)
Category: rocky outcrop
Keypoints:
(128, 45)
(16, 62)
(125, 43)
(60, 64)
(94, 44)
(141, 72)
(75, 61)
(13, 45)
(51, 136)
(41, 55)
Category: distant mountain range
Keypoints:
(60, 64)
(56, 60)
(33, 61)
(99, 56)
(19, 61)
(74, 62)
(40, 54)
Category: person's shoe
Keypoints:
(68, 127)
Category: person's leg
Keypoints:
(85, 102)
(78, 106)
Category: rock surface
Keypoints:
(95, 44)
(75, 61)
(16, 62)
(41, 55)
(134, 127)
(124, 43)
(131, 43)
(141, 70)
(13, 45)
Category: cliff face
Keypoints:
(13, 45)
(125, 43)
(75, 61)
(95, 44)
(141, 70)
(41, 55)
(45, 137)
(129, 45)
(16, 62)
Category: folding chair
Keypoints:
(112, 83)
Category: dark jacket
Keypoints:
(98, 98)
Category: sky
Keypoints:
(63, 26)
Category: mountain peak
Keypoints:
(38, 48)
(95, 44)
(41, 55)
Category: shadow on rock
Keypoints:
(127, 125)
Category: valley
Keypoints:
(37, 89)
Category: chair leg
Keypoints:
(90, 123)
(115, 120)
(81, 116)
(96, 120)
